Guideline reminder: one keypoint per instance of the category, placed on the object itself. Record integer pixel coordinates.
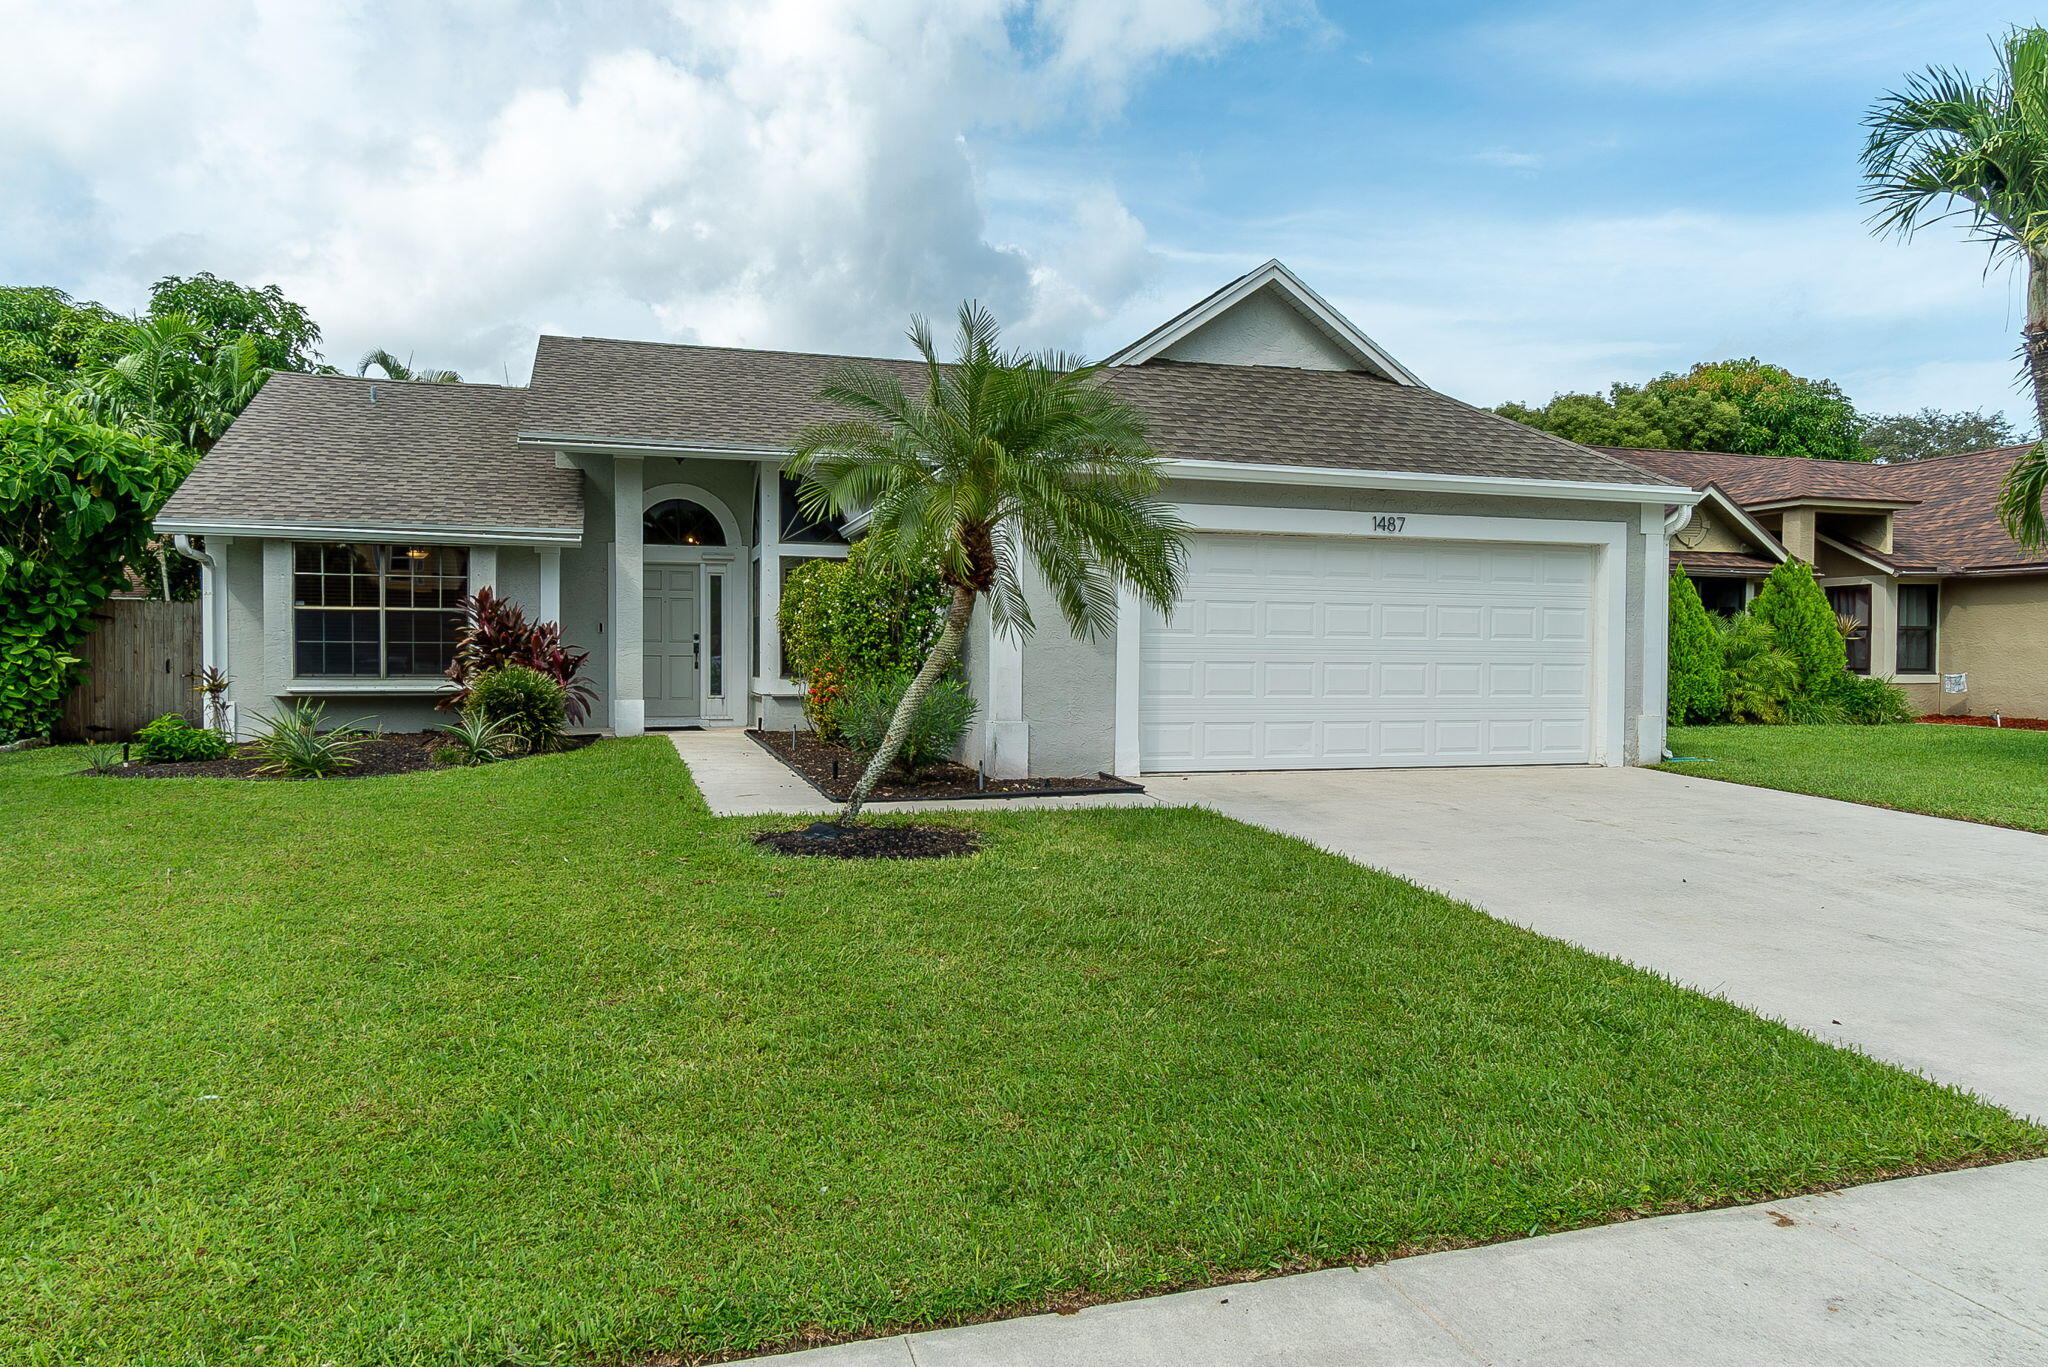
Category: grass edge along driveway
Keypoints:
(540, 1064)
(1994, 776)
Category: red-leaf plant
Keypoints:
(495, 632)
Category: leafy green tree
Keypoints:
(395, 369)
(1894, 438)
(1951, 147)
(45, 334)
(1741, 405)
(1000, 462)
(1792, 604)
(286, 337)
(1698, 692)
(76, 497)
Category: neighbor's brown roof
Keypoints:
(314, 448)
(600, 390)
(1721, 562)
(1951, 526)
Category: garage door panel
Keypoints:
(1302, 652)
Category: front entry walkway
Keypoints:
(1920, 940)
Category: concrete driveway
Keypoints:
(1920, 940)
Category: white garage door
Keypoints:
(1304, 652)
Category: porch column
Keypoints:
(629, 703)
(550, 604)
(770, 587)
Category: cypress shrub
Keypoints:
(1803, 625)
(1698, 693)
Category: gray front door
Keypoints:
(669, 617)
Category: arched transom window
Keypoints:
(679, 522)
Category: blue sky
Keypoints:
(1513, 198)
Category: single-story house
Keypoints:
(1379, 575)
(1914, 551)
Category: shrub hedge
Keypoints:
(847, 621)
(1698, 692)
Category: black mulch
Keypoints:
(833, 770)
(827, 840)
(395, 752)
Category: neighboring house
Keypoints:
(1913, 551)
(1380, 575)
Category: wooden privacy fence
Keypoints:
(139, 663)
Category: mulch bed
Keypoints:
(395, 752)
(2010, 723)
(833, 770)
(827, 840)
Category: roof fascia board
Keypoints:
(1342, 329)
(1845, 502)
(1855, 552)
(1251, 472)
(606, 446)
(1756, 530)
(430, 533)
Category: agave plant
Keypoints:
(291, 743)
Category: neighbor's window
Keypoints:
(1851, 603)
(376, 612)
(1723, 595)
(1918, 605)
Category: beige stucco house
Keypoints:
(1378, 573)
(1915, 551)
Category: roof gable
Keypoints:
(1266, 317)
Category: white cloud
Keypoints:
(1507, 159)
(448, 180)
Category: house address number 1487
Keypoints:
(1388, 522)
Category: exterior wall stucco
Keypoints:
(1996, 631)
(1263, 329)
(1070, 684)
(1709, 531)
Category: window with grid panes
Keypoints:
(376, 612)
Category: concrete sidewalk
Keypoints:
(738, 778)
(1942, 1271)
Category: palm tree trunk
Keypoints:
(944, 651)
(2020, 503)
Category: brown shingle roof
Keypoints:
(1721, 562)
(1951, 525)
(313, 448)
(614, 391)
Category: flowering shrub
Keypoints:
(846, 621)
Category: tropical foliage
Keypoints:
(394, 369)
(496, 633)
(1739, 405)
(523, 703)
(1698, 692)
(292, 743)
(997, 462)
(1760, 676)
(76, 496)
(475, 739)
(285, 336)
(846, 621)
(173, 380)
(1950, 147)
(171, 739)
(935, 730)
(45, 335)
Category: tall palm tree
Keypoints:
(997, 459)
(395, 369)
(1950, 147)
(173, 382)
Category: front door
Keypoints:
(669, 617)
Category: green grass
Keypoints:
(537, 1063)
(1973, 773)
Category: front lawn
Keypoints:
(537, 1063)
(1975, 773)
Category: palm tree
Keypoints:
(1950, 147)
(169, 380)
(395, 369)
(996, 459)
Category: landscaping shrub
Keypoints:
(522, 702)
(102, 757)
(1874, 702)
(1761, 678)
(1792, 604)
(170, 739)
(1698, 693)
(292, 743)
(495, 633)
(76, 496)
(475, 739)
(935, 729)
(846, 621)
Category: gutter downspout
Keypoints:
(212, 607)
(1678, 519)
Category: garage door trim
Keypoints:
(1608, 541)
